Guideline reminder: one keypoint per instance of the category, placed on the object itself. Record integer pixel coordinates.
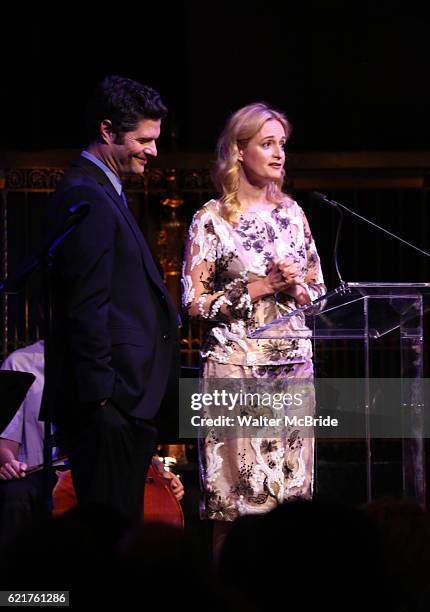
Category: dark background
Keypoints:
(350, 76)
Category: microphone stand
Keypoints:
(12, 284)
(343, 284)
(415, 449)
(339, 207)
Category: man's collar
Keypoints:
(116, 183)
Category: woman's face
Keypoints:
(263, 157)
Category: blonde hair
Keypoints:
(239, 130)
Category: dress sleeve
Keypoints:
(313, 277)
(203, 295)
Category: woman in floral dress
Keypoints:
(250, 258)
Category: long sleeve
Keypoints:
(313, 277)
(203, 295)
(85, 265)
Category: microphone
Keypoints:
(15, 281)
(80, 207)
(321, 197)
(77, 211)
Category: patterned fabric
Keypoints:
(250, 475)
(221, 259)
(253, 475)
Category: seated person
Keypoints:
(21, 449)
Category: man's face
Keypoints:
(130, 153)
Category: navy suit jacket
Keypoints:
(115, 326)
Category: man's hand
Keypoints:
(13, 469)
(174, 484)
(172, 481)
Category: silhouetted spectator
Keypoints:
(305, 554)
(405, 537)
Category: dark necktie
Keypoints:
(124, 199)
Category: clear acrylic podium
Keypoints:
(365, 312)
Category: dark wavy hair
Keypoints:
(124, 102)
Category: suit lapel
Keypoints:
(146, 253)
(148, 261)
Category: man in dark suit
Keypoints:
(115, 328)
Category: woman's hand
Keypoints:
(296, 287)
(275, 280)
(282, 276)
(290, 271)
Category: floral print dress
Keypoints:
(254, 474)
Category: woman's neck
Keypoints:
(253, 198)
